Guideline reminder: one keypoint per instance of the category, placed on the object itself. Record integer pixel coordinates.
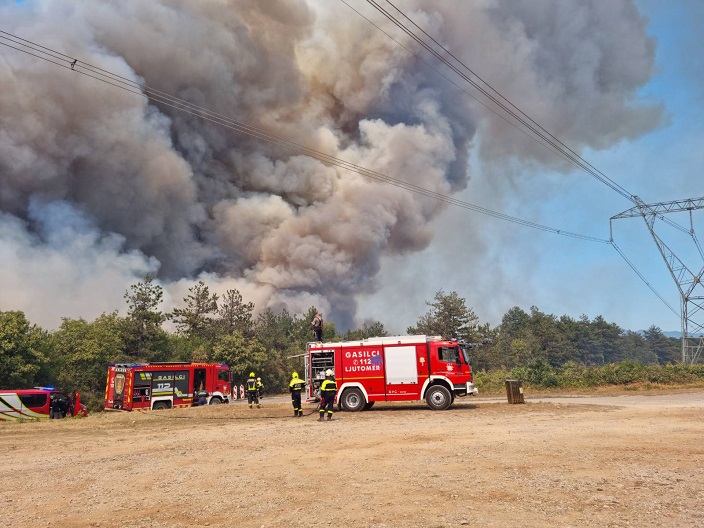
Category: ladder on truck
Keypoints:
(320, 361)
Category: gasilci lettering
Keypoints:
(362, 354)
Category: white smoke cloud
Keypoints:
(57, 264)
(162, 191)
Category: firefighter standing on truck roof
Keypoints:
(252, 390)
(296, 386)
(317, 325)
(328, 389)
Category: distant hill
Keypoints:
(674, 333)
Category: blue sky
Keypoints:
(518, 266)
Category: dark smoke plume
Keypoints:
(100, 186)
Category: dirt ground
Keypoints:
(607, 461)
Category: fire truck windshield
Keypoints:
(450, 354)
(465, 355)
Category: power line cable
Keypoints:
(164, 98)
(600, 175)
(448, 79)
(537, 130)
(555, 144)
(643, 278)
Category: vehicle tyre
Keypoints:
(215, 401)
(160, 406)
(438, 398)
(352, 400)
(368, 405)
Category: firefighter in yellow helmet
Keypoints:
(295, 387)
(328, 389)
(252, 390)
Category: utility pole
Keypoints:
(689, 283)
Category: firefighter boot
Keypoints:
(322, 417)
(300, 413)
(329, 416)
(295, 413)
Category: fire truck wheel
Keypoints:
(438, 398)
(215, 401)
(352, 400)
(160, 406)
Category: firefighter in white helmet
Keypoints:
(328, 389)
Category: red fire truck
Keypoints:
(398, 368)
(133, 386)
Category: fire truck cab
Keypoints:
(134, 386)
(397, 368)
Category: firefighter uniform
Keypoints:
(55, 407)
(328, 389)
(252, 391)
(296, 386)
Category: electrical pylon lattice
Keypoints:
(688, 282)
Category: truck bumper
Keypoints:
(468, 389)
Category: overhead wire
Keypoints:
(164, 98)
(461, 88)
(489, 92)
(541, 134)
(555, 144)
(625, 258)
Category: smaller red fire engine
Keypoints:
(397, 368)
(133, 386)
(37, 403)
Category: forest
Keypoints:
(540, 349)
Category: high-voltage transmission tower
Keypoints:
(688, 282)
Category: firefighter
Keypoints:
(296, 386)
(328, 389)
(202, 396)
(252, 390)
(317, 325)
(260, 388)
(55, 407)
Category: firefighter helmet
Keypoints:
(328, 372)
(294, 375)
(251, 374)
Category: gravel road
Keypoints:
(554, 461)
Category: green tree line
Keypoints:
(227, 329)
